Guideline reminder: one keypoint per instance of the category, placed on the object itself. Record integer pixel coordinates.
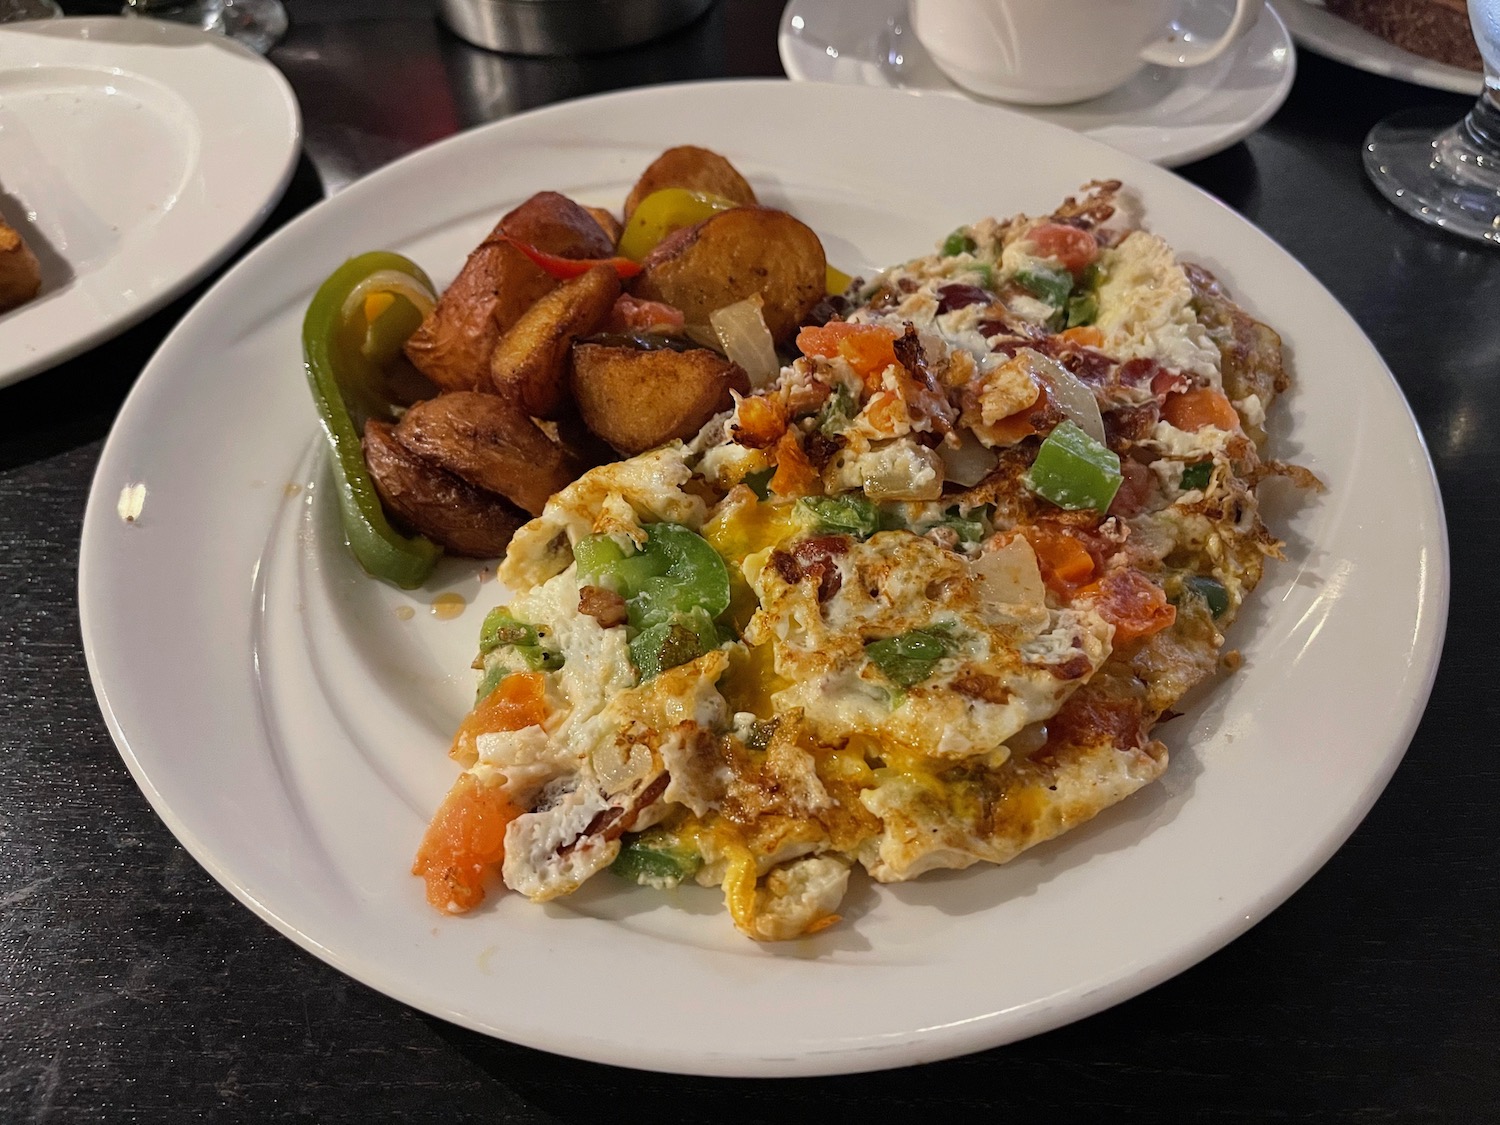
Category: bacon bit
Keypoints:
(464, 843)
(981, 685)
(813, 558)
(604, 606)
(1088, 718)
(820, 448)
(632, 314)
(759, 422)
(1130, 423)
(795, 475)
(612, 823)
(961, 296)
(1132, 603)
(1134, 489)
(1162, 381)
(925, 395)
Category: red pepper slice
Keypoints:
(565, 269)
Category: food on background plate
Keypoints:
(20, 274)
(1435, 29)
(917, 600)
(568, 337)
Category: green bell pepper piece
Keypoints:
(959, 242)
(345, 360)
(655, 858)
(669, 643)
(1197, 475)
(1211, 590)
(500, 630)
(1074, 471)
(909, 659)
(1083, 308)
(1048, 283)
(850, 515)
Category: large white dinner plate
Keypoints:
(288, 717)
(135, 156)
(1169, 117)
(1318, 29)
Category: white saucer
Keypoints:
(1168, 117)
(1318, 29)
(135, 156)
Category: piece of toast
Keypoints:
(1434, 29)
(20, 276)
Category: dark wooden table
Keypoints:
(134, 988)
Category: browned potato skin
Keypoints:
(733, 254)
(697, 169)
(608, 223)
(20, 274)
(465, 520)
(498, 283)
(636, 399)
(556, 224)
(492, 444)
(529, 364)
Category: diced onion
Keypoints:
(969, 462)
(1071, 394)
(746, 340)
(389, 281)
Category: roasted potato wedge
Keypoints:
(498, 283)
(491, 443)
(20, 274)
(637, 399)
(733, 254)
(556, 224)
(696, 169)
(464, 519)
(529, 364)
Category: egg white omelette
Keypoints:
(917, 603)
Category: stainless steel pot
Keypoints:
(565, 27)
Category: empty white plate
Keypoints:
(135, 156)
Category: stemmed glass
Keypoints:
(1452, 179)
(258, 24)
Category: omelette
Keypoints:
(916, 603)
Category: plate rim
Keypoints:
(945, 1042)
(1398, 63)
(236, 228)
(788, 43)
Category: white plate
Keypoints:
(289, 717)
(1318, 29)
(135, 156)
(1168, 117)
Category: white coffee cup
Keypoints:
(1051, 52)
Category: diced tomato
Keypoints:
(1165, 383)
(1065, 562)
(795, 475)
(1074, 249)
(631, 314)
(1199, 407)
(518, 701)
(464, 843)
(1135, 488)
(868, 348)
(1132, 603)
(1084, 336)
